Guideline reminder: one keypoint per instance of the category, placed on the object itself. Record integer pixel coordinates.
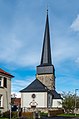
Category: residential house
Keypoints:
(5, 90)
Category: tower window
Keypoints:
(5, 82)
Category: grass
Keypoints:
(3, 118)
(6, 118)
(69, 115)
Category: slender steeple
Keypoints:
(45, 71)
(46, 51)
(46, 66)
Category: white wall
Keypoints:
(57, 103)
(6, 94)
(40, 99)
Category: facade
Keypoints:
(43, 87)
(36, 95)
(5, 90)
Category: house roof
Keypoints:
(5, 73)
(36, 86)
(56, 95)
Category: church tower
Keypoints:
(45, 71)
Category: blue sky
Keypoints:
(22, 24)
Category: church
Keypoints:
(41, 93)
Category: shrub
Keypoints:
(14, 114)
(7, 114)
(43, 114)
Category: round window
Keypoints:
(33, 95)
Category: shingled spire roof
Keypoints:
(46, 51)
(46, 66)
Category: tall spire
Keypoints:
(46, 51)
(46, 66)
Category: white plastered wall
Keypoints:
(57, 103)
(40, 99)
(6, 95)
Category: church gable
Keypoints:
(32, 94)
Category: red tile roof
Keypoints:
(6, 73)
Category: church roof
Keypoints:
(46, 51)
(36, 86)
(56, 95)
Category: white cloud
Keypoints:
(9, 48)
(65, 48)
(17, 46)
(21, 46)
(77, 60)
(19, 84)
(75, 24)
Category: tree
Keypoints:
(69, 102)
